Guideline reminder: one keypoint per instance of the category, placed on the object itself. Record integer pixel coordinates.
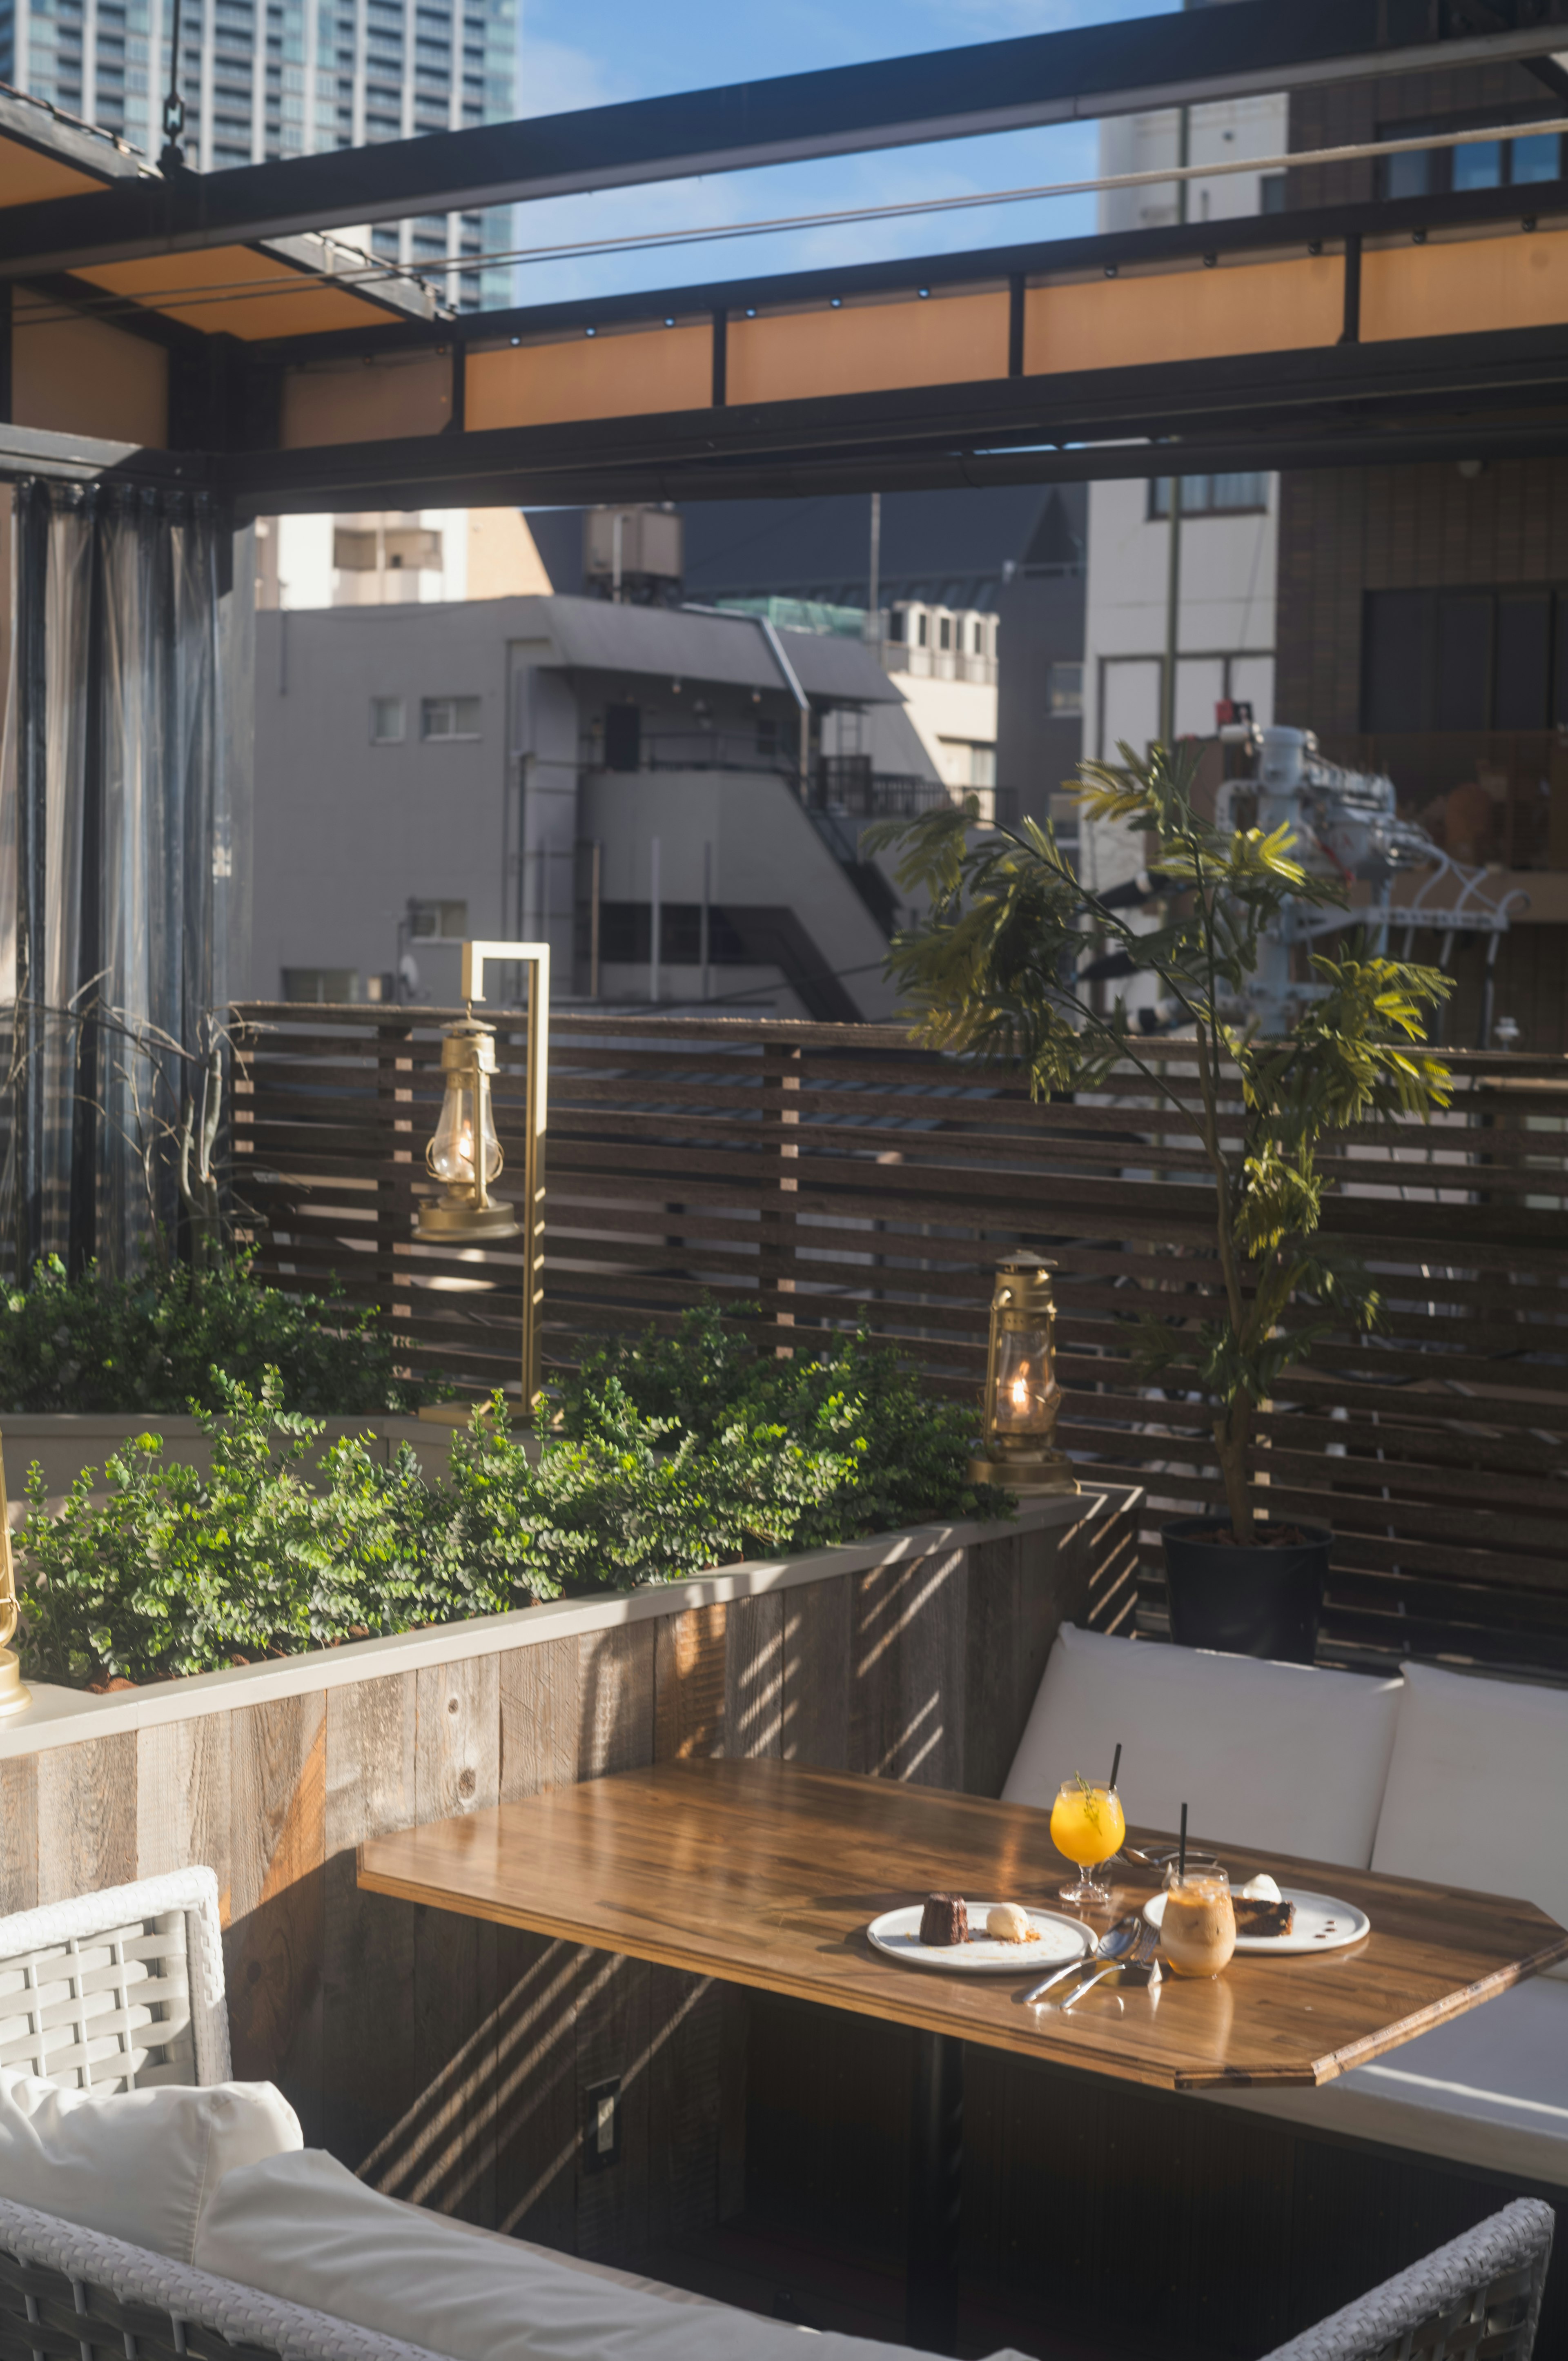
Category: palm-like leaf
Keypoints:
(991, 973)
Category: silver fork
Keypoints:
(1142, 1954)
(1111, 1950)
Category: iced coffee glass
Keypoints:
(1197, 1932)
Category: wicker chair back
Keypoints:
(109, 2012)
(118, 1990)
(1477, 2299)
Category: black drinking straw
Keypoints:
(1117, 1763)
(1181, 1849)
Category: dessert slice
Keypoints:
(944, 1921)
(1255, 1917)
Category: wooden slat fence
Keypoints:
(832, 1175)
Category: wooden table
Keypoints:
(766, 1874)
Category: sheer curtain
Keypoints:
(121, 889)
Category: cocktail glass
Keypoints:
(1087, 1825)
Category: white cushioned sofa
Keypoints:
(1456, 1778)
(150, 2205)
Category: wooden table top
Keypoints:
(767, 1874)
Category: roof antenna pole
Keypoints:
(172, 156)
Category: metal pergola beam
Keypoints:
(1301, 229)
(1449, 397)
(1249, 46)
(812, 478)
(88, 459)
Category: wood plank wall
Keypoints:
(835, 1175)
(447, 2061)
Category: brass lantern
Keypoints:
(465, 1154)
(1022, 1396)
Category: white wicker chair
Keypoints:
(1480, 2295)
(118, 1989)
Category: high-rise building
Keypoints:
(270, 78)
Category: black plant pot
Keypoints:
(1249, 1602)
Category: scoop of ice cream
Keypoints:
(1006, 1923)
(1262, 1888)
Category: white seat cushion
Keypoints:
(1476, 1788)
(1489, 2089)
(137, 2164)
(303, 2225)
(1278, 1758)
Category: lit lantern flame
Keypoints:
(1022, 1394)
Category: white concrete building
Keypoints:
(1225, 603)
(943, 662)
(624, 782)
(396, 558)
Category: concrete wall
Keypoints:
(345, 831)
(763, 851)
(1222, 132)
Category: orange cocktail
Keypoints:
(1086, 1824)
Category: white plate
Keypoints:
(1321, 1924)
(896, 1934)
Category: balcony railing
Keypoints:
(846, 783)
(938, 664)
(703, 749)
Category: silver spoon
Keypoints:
(1142, 1955)
(1111, 1947)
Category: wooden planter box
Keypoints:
(446, 2060)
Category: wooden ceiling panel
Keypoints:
(236, 291)
(26, 176)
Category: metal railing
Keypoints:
(846, 783)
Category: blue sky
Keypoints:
(589, 52)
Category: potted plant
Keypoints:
(994, 971)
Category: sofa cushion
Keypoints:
(1476, 1761)
(1277, 1758)
(137, 2164)
(303, 2225)
(1489, 2089)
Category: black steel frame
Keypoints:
(1255, 46)
(1480, 396)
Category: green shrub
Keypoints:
(906, 1454)
(285, 1547)
(152, 1343)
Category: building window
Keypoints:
(626, 935)
(1465, 659)
(438, 922)
(386, 721)
(1271, 191)
(445, 717)
(982, 766)
(1481, 164)
(334, 985)
(1064, 688)
(622, 737)
(1239, 495)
